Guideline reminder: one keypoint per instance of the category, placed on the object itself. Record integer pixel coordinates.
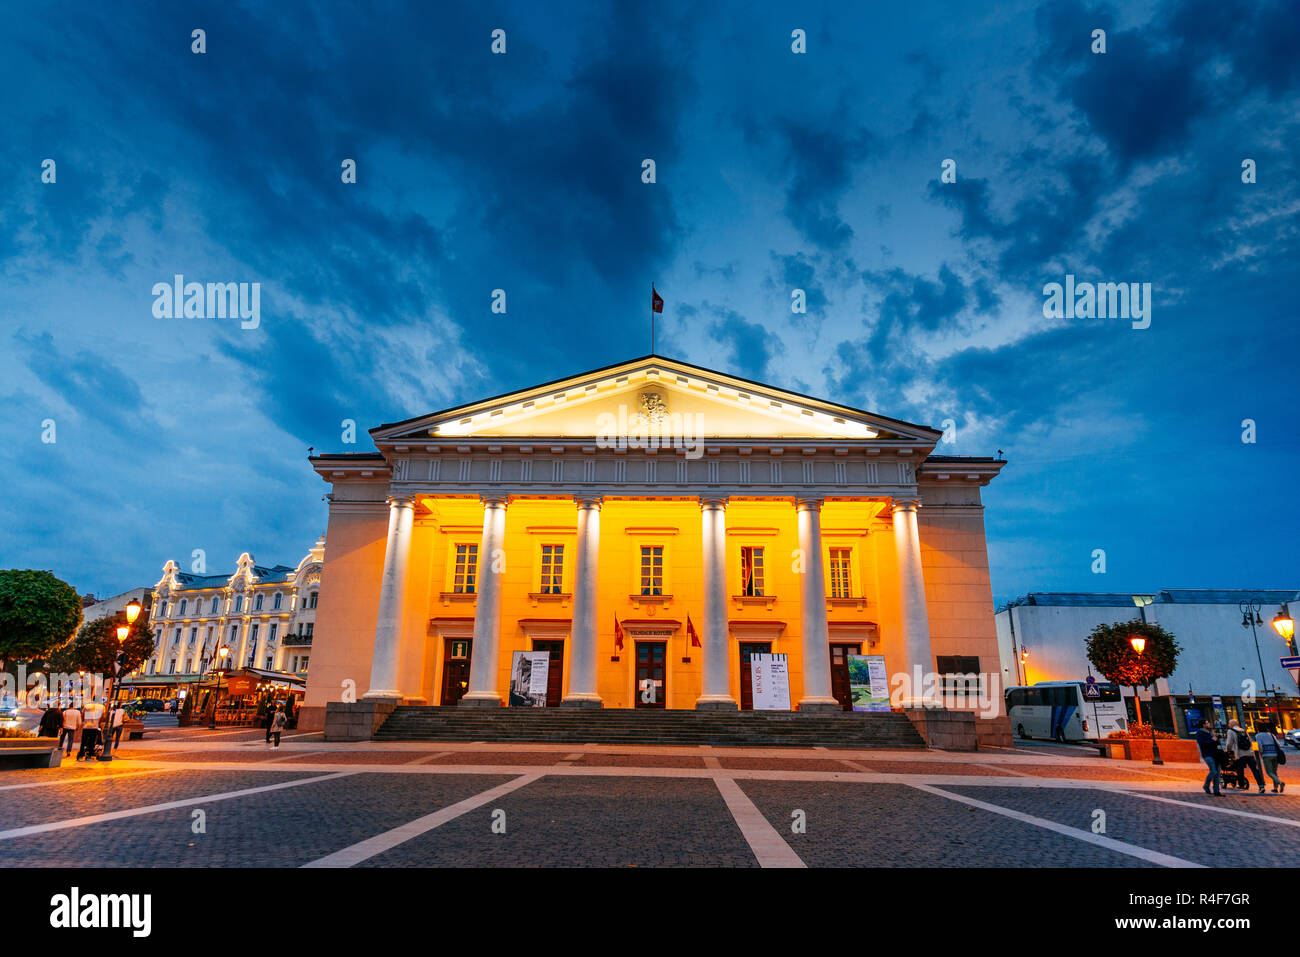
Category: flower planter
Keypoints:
(1171, 749)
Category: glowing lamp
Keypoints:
(1284, 625)
(132, 611)
(1137, 643)
(122, 631)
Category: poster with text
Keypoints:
(869, 683)
(769, 677)
(528, 674)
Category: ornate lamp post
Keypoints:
(1139, 644)
(1249, 619)
(132, 613)
(1284, 625)
(221, 668)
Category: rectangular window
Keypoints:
(652, 569)
(176, 638)
(274, 628)
(194, 635)
(295, 662)
(171, 667)
(311, 599)
(552, 569)
(276, 603)
(466, 572)
(270, 660)
(751, 571)
(310, 626)
(841, 569)
(252, 635)
(304, 665)
(188, 662)
(257, 603)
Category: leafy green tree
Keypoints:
(1110, 649)
(38, 614)
(96, 646)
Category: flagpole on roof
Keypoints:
(652, 319)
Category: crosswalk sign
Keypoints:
(1090, 690)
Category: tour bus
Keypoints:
(1060, 710)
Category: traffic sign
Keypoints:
(1291, 662)
(1091, 691)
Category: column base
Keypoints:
(583, 701)
(480, 700)
(819, 705)
(382, 696)
(716, 703)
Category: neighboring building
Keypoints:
(651, 493)
(93, 610)
(265, 615)
(1218, 656)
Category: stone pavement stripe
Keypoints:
(711, 762)
(425, 758)
(1205, 807)
(386, 841)
(287, 757)
(154, 808)
(1132, 850)
(768, 846)
(89, 777)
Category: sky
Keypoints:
(128, 439)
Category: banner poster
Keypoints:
(528, 674)
(769, 676)
(869, 683)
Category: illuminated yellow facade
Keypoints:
(629, 501)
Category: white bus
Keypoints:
(1059, 710)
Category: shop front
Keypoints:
(242, 697)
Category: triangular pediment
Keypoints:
(666, 392)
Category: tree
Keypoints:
(38, 614)
(1110, 649)
(96, 646)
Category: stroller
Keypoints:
(1232, 772)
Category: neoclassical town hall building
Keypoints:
(614, 518)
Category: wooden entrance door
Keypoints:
(748, 648)
(840, 674)
(651, 666)
(555, 672)
(455, 669)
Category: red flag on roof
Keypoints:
(690, 630)
(656, 300)
(618, 634)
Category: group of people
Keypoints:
(93, 721)
(1237, 755)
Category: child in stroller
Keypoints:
(1232, 772)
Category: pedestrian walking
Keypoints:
(89, 737)
(51, 722)
(267, 720)
(118, 723)
(71, 722)
(1270, 751)
(1242, 749)
(278, 721)
(1206, 741)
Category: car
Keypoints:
(15, 714)
(149, 704)
(1293, 737)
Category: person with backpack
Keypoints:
(276, 727)
(1271, 754)
(1242, 749)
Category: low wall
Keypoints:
(356, 721)
(311, 718)
(944, 729)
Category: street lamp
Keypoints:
(221, 666)
(1139, 645)
(1284, 625)
(1024, 665)
(132, 611)
(1250, 618)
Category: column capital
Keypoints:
(494, 498)
(809, 503)
(713, 501)
(404, 500)
(906, 505)
(588, 500)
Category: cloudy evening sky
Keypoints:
(775, 171)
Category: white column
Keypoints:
(582, 653)
(483, 667)
(816, 642)
(392, 600)
(917, 661)
(716, 693)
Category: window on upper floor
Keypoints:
(277, 601)
(257, 602)
(310, 626)
(215, 600)
(189, 662)
(465, 573)
(274, 628)
(194, 635)
(239, 603)
(303, 665)
(171, 667)
(184, 604)
(751, 571)
(841, 572)
(176, 638)
(552, 580)
(166, 608)
(652, 569)
(311, 598)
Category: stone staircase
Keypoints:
(844, 729)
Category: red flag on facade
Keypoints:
(618, 634)
(656, 300)
(690, 630)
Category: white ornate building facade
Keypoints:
(266, 616)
